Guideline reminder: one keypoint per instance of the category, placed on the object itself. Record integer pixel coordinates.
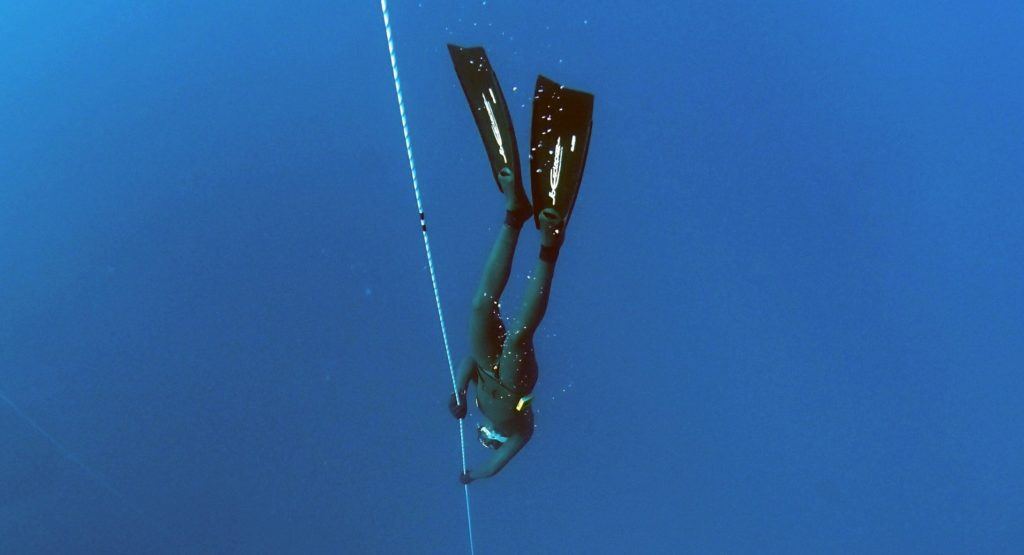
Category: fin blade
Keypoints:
(559, 144)
(490, 110)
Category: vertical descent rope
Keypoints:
(426, 246)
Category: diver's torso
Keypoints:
(517, 372)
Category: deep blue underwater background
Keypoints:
(788, 317)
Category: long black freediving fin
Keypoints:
(559, 139)
(490, 111)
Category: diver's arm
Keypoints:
(502, 456)
(467, 372)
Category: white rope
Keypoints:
(426, 246)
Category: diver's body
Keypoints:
(502, 362)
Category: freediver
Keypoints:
(501, 362)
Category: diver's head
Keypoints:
(489, 438)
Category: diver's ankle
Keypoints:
(549, 253)
(520, 212)
(515, 219)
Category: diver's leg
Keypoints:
(486, 331)
(535, 300)
(499, 263)
(496, 270)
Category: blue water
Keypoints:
(787, 319)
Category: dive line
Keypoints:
(426, 247)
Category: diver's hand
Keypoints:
(465, 478)
(458, 407)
